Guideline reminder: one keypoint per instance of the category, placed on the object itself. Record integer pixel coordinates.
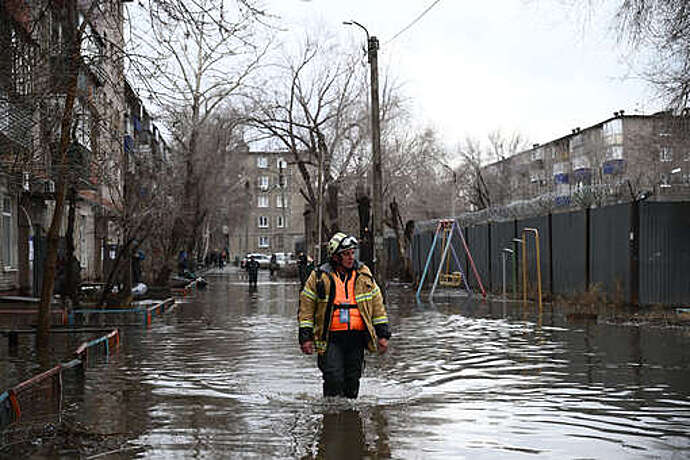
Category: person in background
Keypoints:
(182, 262)
(273, 265)
(252, 267)
(305, 265)
(341, 312)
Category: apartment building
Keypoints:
(35, 51)
(274, 208)
(616, 159)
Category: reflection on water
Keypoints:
(222, 375)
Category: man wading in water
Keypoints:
(341, 312)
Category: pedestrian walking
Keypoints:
(341, 312)
(221, 260)
(273, 265)
(252, 267)
(182, 262)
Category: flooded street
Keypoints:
(221, 375)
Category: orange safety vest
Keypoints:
(346, 316)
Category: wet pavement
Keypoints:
(221, 376)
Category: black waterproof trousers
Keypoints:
(342, 363)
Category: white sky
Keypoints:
(538, 67)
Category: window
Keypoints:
(614, 152)
(280, 223)
(83, 252)
(21, 64)
(280, 203)
(537, 154)
(7, 232)
(82, 120)
(577, 145)
(262, 162)
(264, 242)
(263, 222)
(263, 182)
(613, 132)
(263, 201)
(281, 164)
(665, 154)
(55, 42)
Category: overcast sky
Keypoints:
(538, 67)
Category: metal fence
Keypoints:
(633, 253)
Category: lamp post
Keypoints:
(379, 255)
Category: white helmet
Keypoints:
(341, 242)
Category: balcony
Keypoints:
(614, 153)
(560, 168)
(15, 121)
(78, 164)
(613, 167)
(580, 162)
(537, 158)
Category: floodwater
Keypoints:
(221, 376)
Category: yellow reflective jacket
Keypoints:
(316, 306)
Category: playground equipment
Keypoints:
(504, 252)
(39, 399)
(534, 231)
(447, 228)
(447, 278)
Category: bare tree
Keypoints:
(318, 115)
(661, 28)
(199, 55)
(66, 58)
(488, 169)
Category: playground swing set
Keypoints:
(446, 228)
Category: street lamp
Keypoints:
(377, 176)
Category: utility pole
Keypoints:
(248, 196)
(379, 256)
(380, 261)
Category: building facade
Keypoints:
(273, 205)
(109, 125)
(613, 160)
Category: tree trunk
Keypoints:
(71, 262)
(44, 316)
(333, 225)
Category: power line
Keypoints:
(414, 22)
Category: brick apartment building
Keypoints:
(273, 206)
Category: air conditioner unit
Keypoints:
(49, 186)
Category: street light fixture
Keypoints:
(377, 176)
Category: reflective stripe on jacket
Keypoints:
(315, 310)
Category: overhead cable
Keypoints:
(414, 22)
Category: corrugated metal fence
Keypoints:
(631, 252)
